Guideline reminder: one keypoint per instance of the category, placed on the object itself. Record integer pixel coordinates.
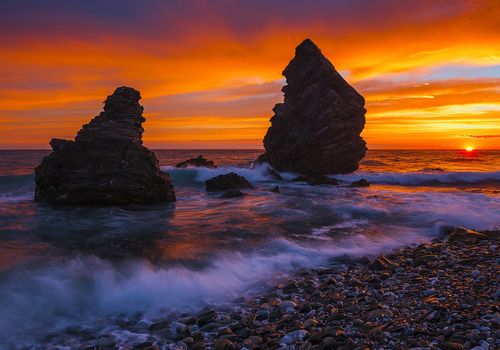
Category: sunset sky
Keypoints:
(210, 71)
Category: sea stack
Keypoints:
(107, 163)
(316, 131)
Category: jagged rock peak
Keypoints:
(307, 47)
(124, 100)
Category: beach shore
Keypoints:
(438, 295)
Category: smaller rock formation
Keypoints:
(106, 163)
(316, 131)
(231, 194)
(276, 189)
(199, 162)
(317, 180)
(230, 181)
(360, 183)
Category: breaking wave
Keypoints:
(425, 178)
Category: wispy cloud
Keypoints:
(480, 136)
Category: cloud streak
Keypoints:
(481, 136)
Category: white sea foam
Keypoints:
(257, 173)
(424, 178)
(429, 177)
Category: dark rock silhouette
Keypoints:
(360, 183)
(197, 162)
(230, 181)
(276, 189)
(231, 194)
(107, 163)
(316, 130)
(315, 180)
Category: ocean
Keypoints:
(88, 267)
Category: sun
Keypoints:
(469, 148)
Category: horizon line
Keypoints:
(262, 149)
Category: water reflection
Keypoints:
(108, 232)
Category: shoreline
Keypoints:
(438, 295)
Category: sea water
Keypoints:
(85, 266)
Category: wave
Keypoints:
(16, 180)
(421, 209)
(425, 178)
(80, 289)
(16, 188)
(200, 175)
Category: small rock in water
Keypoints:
(231, 194)
(197, 162)
(206, 317)
(360, 183)
(317, 180)
(158, 325)
(189, 320)
(276, 189)
(230, 181)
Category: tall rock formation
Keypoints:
(316, 131)
(107, 163)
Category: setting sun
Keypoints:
(469, 148)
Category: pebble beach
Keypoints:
(438, 295)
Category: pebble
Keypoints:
(252, 342)
(287, 304)
(223, 344)
(262, 315)
(293, 336)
